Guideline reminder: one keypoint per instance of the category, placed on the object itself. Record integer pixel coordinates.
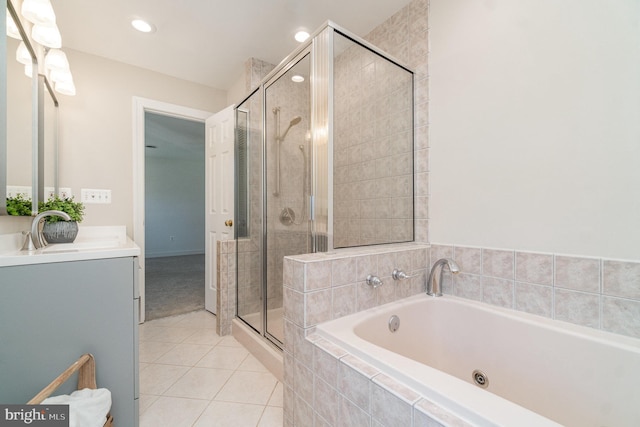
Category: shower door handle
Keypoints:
(229, 223)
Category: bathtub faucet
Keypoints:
(434, 283)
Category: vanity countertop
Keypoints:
(93, 242)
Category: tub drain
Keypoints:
(480, 378)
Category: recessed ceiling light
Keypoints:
(297, 78)
(143, 26)
(301, 36)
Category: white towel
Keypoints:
(87, 407)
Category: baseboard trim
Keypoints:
(168, 254)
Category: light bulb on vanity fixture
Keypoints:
(38, 12)
(56, 59)
(47, 35)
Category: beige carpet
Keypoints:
(173, 285)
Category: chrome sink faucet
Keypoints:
(434, 283)
(36, 232)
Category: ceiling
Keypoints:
(207, 41)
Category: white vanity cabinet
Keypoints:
(51, 313)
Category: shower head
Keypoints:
(294, 121)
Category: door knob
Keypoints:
(228, 223)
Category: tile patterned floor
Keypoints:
(191, 377)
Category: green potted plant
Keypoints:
(19, 206)
(56, 229)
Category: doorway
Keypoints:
(141, 107)
(174, 215)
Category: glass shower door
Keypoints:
(249, 201)
(288, 177)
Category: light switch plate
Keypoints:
(89, 196)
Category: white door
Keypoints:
(219, 189)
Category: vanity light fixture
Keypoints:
(297, 78)
(143, 26)
(12, 28)
(47, 35)
(301, 36)
(38, 12)
(44, 32)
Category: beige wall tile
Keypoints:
(317, 306)
(344, 301)
(469, 259)
(534, 299)
(577, 307)
(326, 400)
(621, 279)
(317, 275)
(582, 274)
(534, 268)
(498, 263)
(621, 316)
(498, 292)
(468, 286)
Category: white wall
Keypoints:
(96, 148)
(535, 125)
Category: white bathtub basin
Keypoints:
(540, 372)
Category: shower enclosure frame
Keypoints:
(320, 48)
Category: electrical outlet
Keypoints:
(15, 190)
(49, 192)
(95, 196)
(65, 193)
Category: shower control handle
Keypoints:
(374, 281)
(400, 275)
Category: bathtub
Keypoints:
(537, 371)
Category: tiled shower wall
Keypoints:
(373, 148)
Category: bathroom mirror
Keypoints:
(31, 139)
(20, 125)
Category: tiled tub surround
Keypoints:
(529, 362)
(594, 292)
(326, 286)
